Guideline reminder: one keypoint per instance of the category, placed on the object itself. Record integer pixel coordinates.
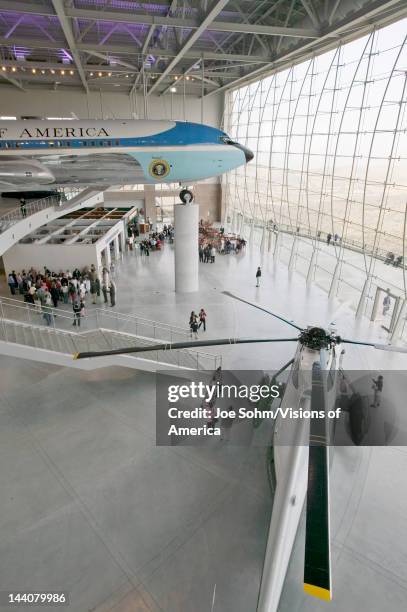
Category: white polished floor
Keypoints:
(89, 504)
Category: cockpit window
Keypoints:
(226, 140)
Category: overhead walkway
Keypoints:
(17, 223)
(24, 333)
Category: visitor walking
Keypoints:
(386, 303)
(112, 290)
(258, 276)
(202, 319)
(77, 308)
(23, 207)
(12, 282)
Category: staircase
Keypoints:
(24, 333)
(15, 224)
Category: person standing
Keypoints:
(258, 276)
(202, 319)
(77, 308)
(105, 283)
(213, 254)
(54, 291)
(12, 283)
(112, 290)
(23, 207)
(328, 239)
(201, 254)
(194, 327)
(46, 307)
(192, 318)
(386, 303)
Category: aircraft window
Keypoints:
(226, 140)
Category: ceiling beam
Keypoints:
(181, 78)
(11, 80)
(158, 20)
(194, 24)
(349, 28)
(70, 39)
(36, 43)
(105, 56)
(213, 13)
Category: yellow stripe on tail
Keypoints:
(318, 592)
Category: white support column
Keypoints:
(186, 247)
(269, 240)
(116, 248)
(398, 327)
(362, 302)
(276, 244)
(251, 232)
(311, 269)
(334, 283)
(122, 243)
(108, 259)
(233, 222)
(263, 240)
(293, 254)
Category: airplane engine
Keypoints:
(22, 171)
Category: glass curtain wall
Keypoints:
(330, 144)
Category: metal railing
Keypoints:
(321, 236)
(17, 214)
(30, 208)
(100, 330)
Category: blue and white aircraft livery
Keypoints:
(35, 153)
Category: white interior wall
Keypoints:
(55, 256)
(106, 105)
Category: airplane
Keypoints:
(316, 381)
(35, 154)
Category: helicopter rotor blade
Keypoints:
(380, 347)
(179, 345)
(317, 562)
(273, 314)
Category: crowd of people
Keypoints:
(154, 242)
(392, 260)
(46, 290)
(213, 241)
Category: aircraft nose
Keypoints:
(247, 152)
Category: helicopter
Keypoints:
(302, 454)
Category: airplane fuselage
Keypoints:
(37, 154)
